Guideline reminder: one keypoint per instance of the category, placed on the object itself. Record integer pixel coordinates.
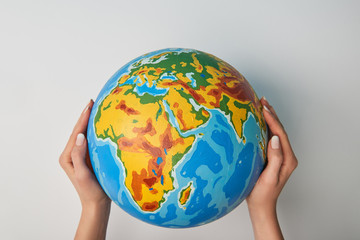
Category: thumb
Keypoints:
(275, 159)
(78, 154)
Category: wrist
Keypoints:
(93, 221)
(267, 209)
(266, 213)
(96, 204)
(96, 209)
(265, 222)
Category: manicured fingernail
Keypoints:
(275, 142)
(80, 139)
(265, 98)
(87, 107)
(265, 107)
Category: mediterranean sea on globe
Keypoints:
(177, 138)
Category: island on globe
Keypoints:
(177, 138)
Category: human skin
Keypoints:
(95, 203)
(281, 163)
(261, 201)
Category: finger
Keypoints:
(276, 129)
(80, 127)
(78, 156)
(266, 103)
(289, 165)
(290, 161)
(67, 165)
(275, 159)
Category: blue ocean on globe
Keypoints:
(176, 138)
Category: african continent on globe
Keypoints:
(177, 138)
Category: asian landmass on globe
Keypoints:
(177, 138)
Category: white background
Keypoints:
(304, 56)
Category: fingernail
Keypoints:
(87, 107)
(264, 98)
(265, 107)
(80, 139)
(275, 142)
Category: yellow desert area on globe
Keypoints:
(177, 138)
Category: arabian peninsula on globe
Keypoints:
(177, 138)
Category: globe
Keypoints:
(177, 138)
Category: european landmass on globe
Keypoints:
(177, 138)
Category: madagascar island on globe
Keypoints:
(177, 138)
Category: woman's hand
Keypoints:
(281, 163)
(75, 162)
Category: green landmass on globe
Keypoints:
(164, 110)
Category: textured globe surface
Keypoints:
(177, 138)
